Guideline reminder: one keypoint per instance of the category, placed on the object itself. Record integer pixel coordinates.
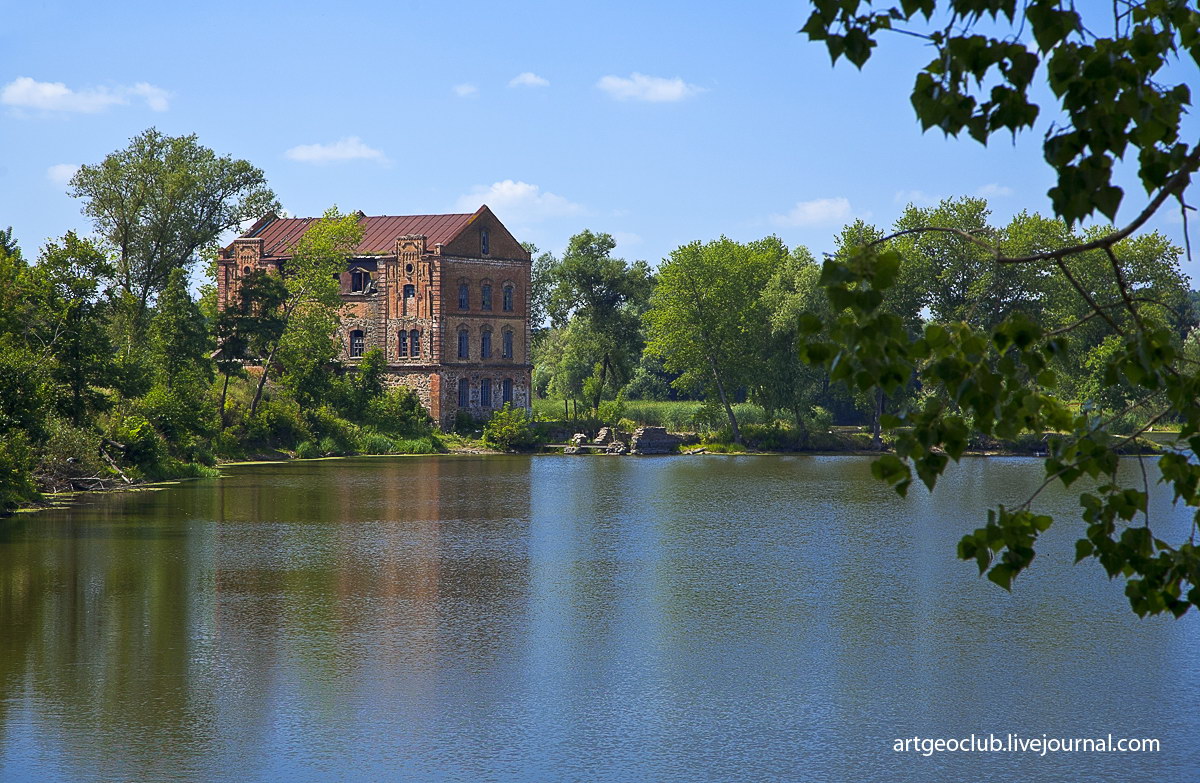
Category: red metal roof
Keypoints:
(379, 232)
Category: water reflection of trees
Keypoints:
(140, 630)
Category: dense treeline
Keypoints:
(112, 373)
(725, 322)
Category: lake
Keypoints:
(509, 618)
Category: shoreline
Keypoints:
(59, 500)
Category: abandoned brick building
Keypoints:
(445, 297)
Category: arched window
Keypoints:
(485, 246)
(464, 296)
(485, 296)
(357, 343)
(485, 393)
(506, 391)
(508, 298)
(403, 350)
(410, 291)
(414, 339)
(464, 393)
(506, 350)
(464, 344)
(485, 344)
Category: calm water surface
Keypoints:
(570, 618)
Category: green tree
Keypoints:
(606, 297)
(66, 324)
(163, 198)
(1114, 97)
(248, 326)
(707, 319)
(310, 312)
(179, 336)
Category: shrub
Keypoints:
(329, 428)
(143, 447)
(71, 451)
(376, 443)
(329, 447)
(510, 429)
(178, 413)
(307, 450)
(278, 422)
(398, 411)
(16, 471)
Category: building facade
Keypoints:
(444, 297)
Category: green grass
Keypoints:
(675, 416)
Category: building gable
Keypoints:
(469, 242)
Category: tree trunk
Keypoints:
(224, 390)
(733, 425)
(876, 436)
(801, 427)
(600, 386)
(262, 380)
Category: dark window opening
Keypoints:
(464, 393)
(403, 343)
(410, 292)
(485, 393)
(508, 298)
(245, 270)
(485, 296)
(507, 345)
(358, 344)
(464, 345)
(484, 243)
(414, 338)
(485, 344)
(506, 390)
(359, 281)
(464, 296)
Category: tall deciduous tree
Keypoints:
(604, 298)
(67, 327)
(707, 318)
(311, 309)
(161, 199)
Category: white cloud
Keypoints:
(814, 213)
(26, 93)
(348, 148)
(655, 89)
(528, 79)
(518, 202)
(994, 190)
(155, 97)
(465, 90)
(61, 173)
(914, 197)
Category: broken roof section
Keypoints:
(380, 232)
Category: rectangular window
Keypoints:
(357, 343)
(485, 345)
(464, 393)
(464, 296)
(485, 297)
(506, 390)
(508, 298)
(507, 345)
(410, 291)
(415, 340)
(403, 343)
(359, 280)
(464, 345)
(485, 393)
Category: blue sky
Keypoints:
(659, 123)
